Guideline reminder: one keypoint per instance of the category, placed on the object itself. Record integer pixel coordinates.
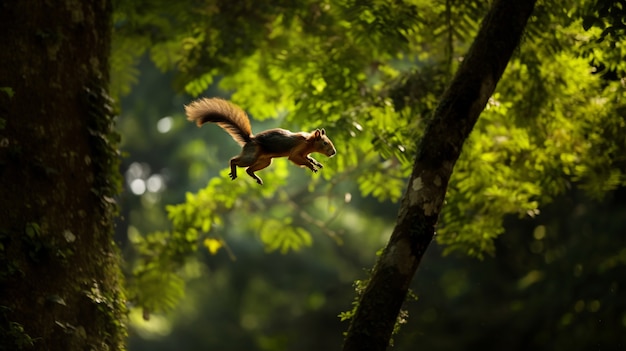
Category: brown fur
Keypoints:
(258, 151)
(221, 112)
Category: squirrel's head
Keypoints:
(323, 144)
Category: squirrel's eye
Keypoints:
(325, 143)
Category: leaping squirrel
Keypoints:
(258, 150)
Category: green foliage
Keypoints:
(7, 90)
(526, 150)
(164, 254)
(16, 333)
(281, 235)
(359, 286)
(603, 21)
(159, 289)
(125, 54)
(371, 74)
(382, 186)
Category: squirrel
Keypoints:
(258, 150)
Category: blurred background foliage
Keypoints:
(230, 265)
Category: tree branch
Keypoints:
(458, 111)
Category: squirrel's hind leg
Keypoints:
(246, 158)
(233, 168)
(257, 166)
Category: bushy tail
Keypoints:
(229, 117)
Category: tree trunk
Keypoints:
(60, 286)
(458, 111)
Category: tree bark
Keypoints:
(453, 120)
(59, 268)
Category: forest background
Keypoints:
(530, 247)
(544, 166)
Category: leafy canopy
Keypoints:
(370, 72)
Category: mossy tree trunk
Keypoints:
(453, 120)
(60, 285)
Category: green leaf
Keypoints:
(280, 235)
(159, 291)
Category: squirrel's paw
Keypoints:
(232, 176)
(315, 163)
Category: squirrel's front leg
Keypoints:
(314, 161)
(303, 161)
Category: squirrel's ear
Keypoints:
(323, 131)
(317, 133)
